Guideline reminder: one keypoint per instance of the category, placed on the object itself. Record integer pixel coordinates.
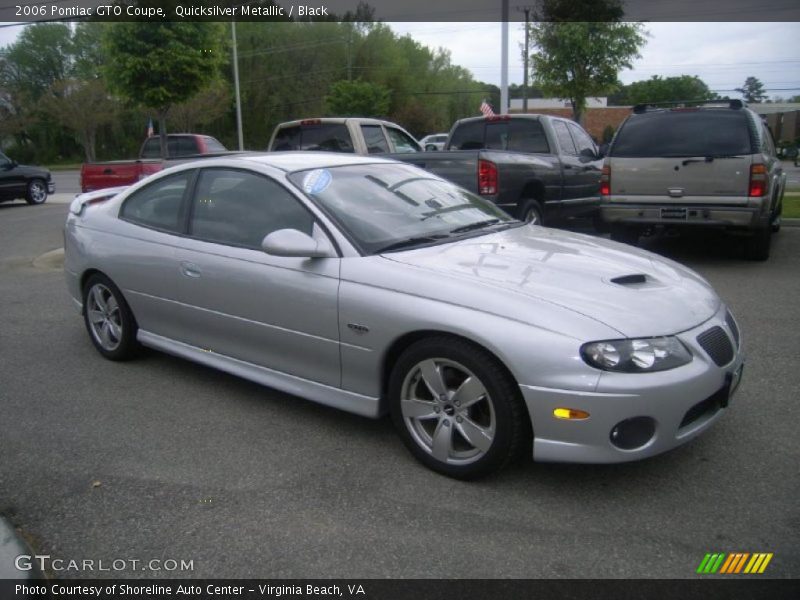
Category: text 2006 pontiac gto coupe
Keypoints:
(376, 287)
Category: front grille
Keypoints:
(732, 326)
(717, 344)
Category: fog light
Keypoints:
(570, 413)
(633, 433)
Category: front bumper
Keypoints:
(682, 403)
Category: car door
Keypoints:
(586, 171)
(238, 301)
(12, 179)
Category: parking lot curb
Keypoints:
(12, 546)
(790, 222)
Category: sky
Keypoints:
(721, 54)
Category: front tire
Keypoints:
(109, 320)
(455, 407)
(36, 192)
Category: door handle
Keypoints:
(108, 171)
(190, 270)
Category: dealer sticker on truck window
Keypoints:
(317, 181)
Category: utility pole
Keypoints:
(236, 87)
(504, 61)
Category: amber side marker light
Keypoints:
(570, 413)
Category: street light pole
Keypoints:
(236, 87)
(525, 61)
(504, 61)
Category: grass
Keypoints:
(791, 205)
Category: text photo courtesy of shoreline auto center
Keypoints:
(462, 299)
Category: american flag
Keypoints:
(486, 109)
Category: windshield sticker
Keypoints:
(317, 181)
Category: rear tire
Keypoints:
(36, 192)
(757, 246)
(531, 212)
(776, 219)
(109, 320)
(456, 408)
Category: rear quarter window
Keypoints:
(684, 133)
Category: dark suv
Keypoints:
(698, 166)
(22, 181)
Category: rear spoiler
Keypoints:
(81, 200)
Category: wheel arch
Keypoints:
(398, 346)
(533, 191)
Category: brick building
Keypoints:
(596, 118)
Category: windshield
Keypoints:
(683, 133)
(389, 206)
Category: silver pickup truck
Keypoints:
(538, 168)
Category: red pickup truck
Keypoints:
(98, 176)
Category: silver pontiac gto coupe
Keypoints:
(376, 287)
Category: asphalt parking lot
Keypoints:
(163, 459)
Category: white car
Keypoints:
(435, 141)
(376, 287)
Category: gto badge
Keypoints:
(358, 328)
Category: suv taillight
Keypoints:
(487, 178)
(758, 181)
(605, 181)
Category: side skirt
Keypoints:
(365, 406)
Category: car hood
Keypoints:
(635, 292)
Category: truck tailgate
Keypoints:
(681, 180)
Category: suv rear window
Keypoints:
(684, 133)
(332, 137)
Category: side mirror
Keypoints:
(589, 154)
(294, 243)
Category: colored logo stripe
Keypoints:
(734, 563)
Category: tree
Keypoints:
(83, 107)
(159, 64)
(204, 107)
(580, 59)
(669, 89)
(753, 90)
(358, 98)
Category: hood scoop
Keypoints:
(634, 279)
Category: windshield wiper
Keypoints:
(412, 241)
(474, 226)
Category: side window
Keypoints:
(158, 205)
(468, 136)
(239, 208)
(527, 135)
(401, 142)
(497, 135)
(186, 146)
(152, 148)
(373, 137)
(564, 138)
(768, 144)
(581, 138)
(4, 160)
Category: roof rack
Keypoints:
(733, 104)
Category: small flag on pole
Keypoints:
(150, 131)
(486, 109)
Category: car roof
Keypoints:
(299, 160)
(333, 121)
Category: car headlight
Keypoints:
(643, 355)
